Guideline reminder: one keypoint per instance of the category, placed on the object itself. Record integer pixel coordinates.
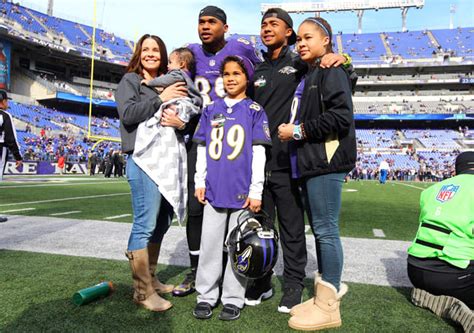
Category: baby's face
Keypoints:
(174, 62)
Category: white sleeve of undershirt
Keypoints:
(201, 168)
(258, 172)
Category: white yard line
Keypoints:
(65, 199)
(378, 233)
(409, 185)
(62, 184)
(117, 216)
(66, 213)
(17, 210)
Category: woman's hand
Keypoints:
(253, 204)
(332, 60)
(285, 132)
(170, 118)
(200, 195)
(176, 90)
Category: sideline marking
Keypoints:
(65, 199)
(378, 233)
(17, 210)
(409, 185)
(117, 216)
(62, 184)
(66, 213)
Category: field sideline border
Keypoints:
(369, 261)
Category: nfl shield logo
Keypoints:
(212, 62)
(447, 192)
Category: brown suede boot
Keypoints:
(153, 254)
(307, 304)
(144, 293)
(325, 311)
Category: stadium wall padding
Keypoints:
(44, 168)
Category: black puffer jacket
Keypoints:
(328, 121)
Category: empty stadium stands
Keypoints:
(380, 48)
(51, 119)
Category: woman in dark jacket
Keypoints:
(326, 152)
(151, 212)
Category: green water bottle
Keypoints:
(87, 295)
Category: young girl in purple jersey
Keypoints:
(326, 151)
(231, 135)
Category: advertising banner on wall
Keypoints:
(44, 168)
(409, 116)
(5, 61)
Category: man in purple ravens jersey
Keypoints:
(208, 80)
(209, 55)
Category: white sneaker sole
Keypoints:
(264, 296)
(283, 309)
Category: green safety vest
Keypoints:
(447, 222)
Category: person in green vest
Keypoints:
(441, 258)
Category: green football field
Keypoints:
(392, 208)
(36, 289)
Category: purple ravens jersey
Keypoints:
(295, 108)
(208, 80)
(229, 133)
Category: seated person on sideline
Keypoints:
(441, 258)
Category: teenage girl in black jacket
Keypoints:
(326, 152)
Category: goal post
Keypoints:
(90, 135)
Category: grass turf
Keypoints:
(36, 292)
(366, 205)
(103, 198)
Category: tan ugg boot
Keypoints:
(307, 304)
(153, 254)
(325, 311)
(144, 294)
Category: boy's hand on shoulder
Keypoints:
(200, 195)
(253, 204)
(332, 60)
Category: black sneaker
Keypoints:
(290, 298)
(202, 310)
(3, 219)
(186, 287)
(259, 291)
(229, 312)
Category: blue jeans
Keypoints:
(383, 176)
(152, 214)
(323, 197)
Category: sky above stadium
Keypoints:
(176, 20)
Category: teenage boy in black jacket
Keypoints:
(7, 138)
(275, 81)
